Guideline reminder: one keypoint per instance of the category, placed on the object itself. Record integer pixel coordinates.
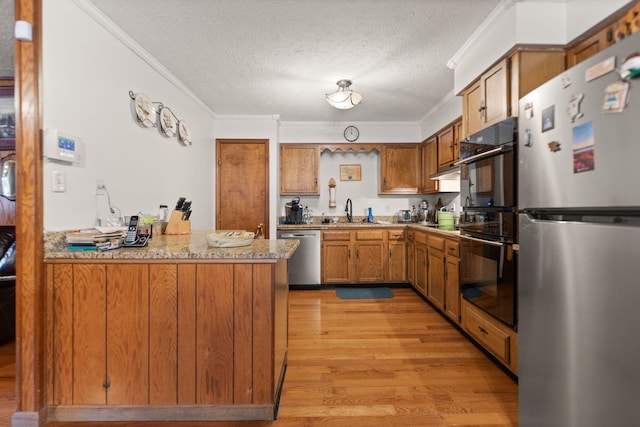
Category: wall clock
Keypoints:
(351, 133)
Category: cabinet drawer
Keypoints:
(436, 242)
(336, 235)
(453, 248)
(369, 235)
(421, 238)
(396, 234)
(486, 333)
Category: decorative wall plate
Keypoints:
(145, 112)
(184, 132)
(168, 123)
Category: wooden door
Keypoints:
(430, 166)
(242, 184)
(420, 259)
(452, 291)
(435, 288)
(397, 269)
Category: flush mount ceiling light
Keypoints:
(344, 98)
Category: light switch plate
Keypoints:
(58, 182)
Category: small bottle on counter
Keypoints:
(259, 232)
(163, 213)
(370, 215)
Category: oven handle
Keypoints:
(482, 155)
(488, 242)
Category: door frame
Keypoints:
(265, 141)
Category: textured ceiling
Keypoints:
(282, 56)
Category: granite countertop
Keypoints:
(188, 246)
(358, 223)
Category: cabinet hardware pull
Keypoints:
(483, 330)
(106, 383)
(389, 253)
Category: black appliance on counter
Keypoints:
(293, 211)
(489, 221)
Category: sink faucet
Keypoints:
(349, 210)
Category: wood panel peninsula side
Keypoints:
(176, 331)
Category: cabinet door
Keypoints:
(457, 137)
(589, 47)
(452, 288)
(435, 288)
(336, 261)
(429, 151)
(495, 93)
(370, 261)
(420, 259)
(397, 268)
(472, 109)
(445, 147)
(399, 169)
(411, 267)
(299, 165)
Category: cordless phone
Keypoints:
(133, 238)
(132, 232)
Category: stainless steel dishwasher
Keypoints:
(304, 265)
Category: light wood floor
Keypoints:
(385, 362)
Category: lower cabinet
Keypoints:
(375, 255)
(495, 337)
(148, 338)
(420, 260)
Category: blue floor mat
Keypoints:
(364, 293)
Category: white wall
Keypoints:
(536, 22)
(87, 74)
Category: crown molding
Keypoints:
(504, 6)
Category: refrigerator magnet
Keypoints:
(583, 148)
(574, 107)
(615, 97)
(548, 118)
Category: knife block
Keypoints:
(177, 225)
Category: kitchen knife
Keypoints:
(186, 206)
(180, 203)
(186, 215)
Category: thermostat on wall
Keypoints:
(62, 146)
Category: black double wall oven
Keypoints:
(488, 225)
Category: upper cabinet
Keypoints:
(494, 96)
(299, 166)
(400, 169)
(429, 154)
(589, 46)
(449, 145)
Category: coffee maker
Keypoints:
(293, 211)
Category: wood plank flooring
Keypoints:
(385, 362)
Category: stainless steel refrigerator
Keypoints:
(579, 233)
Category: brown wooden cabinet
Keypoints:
(436, 271)
(370, 257)
(299, 169)
(420, 260)
(400, 171)
(149, 339)
(411, 266)
(496, 338)
(397, 262)
(376, 255)
(449, 145)
(336, 262)
(494, 96)
(429, 155)
(452, 279)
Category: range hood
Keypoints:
(449, 179)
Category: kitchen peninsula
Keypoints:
(175, 331)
